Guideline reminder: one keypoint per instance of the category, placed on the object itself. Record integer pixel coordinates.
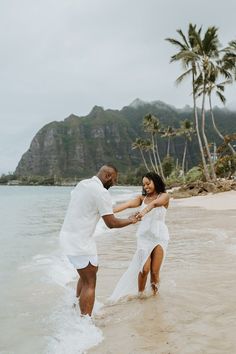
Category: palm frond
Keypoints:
(221, 97)
(176, 43)
(180, 32)
(183, 76)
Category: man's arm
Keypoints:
(112, 222)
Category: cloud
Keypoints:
(64, 56)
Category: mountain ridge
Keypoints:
(79, 145)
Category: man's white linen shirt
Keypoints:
(89, 201)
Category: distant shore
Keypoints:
(177, 191)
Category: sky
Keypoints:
(65, 56)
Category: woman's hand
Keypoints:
(138, 215)
(133, 218)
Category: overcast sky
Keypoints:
(64, 56)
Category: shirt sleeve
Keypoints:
(104, 203)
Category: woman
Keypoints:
(152, 238)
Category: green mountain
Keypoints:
(78, 146)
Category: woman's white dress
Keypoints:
(152, 231)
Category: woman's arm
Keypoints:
(133, 203)
(162, 200)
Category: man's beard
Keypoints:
(108, 184)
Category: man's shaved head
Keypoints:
(108, 175)
(108, 168)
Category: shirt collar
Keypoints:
(95, 178)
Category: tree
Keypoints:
(225, 67)
(140, 144)
(168, 133)
(208, 52)
(219, 92)
(189, 57)
(152, 126)
(186, 130)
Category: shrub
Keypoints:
(194, 174)
(226, 166)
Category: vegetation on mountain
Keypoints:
(76, 147)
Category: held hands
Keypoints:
(134, 218)
(139, 215)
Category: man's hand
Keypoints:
(138, 215)
(133, 218)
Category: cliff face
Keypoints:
(78, 146)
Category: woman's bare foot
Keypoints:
(155, 287)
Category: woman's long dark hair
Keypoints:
(157, 180)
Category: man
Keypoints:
(90, 200)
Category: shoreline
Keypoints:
(211, 201)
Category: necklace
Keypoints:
(152, 196)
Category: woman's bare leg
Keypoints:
(142, 277)
(156, 261)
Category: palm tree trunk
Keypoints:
(216, 129)
(159, 161)
(153, 151)
(144, 160)
(168, 147)
(155, 168)
(184, 156)
(213, 174)
(206, 173)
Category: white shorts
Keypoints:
(80, 262)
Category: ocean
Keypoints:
(36, 296)
(194, 312)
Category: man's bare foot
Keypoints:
(141, 295)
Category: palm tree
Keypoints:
(226, 68)
(189, 57)
(229, 58)
(186, 130)
(139, 143)
(213, 68)
(168, 133)
(148, 147)
(219, 92)
(208, 51)
(152, 125)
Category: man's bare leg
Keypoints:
(78, 291)
(142, 277)
(78, 288)
(87, 294)
(157, 258)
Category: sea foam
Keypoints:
(73, 334)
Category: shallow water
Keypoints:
(195, 311)
(36, 295)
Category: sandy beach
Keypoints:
(195, 310)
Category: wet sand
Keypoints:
(195, 310)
